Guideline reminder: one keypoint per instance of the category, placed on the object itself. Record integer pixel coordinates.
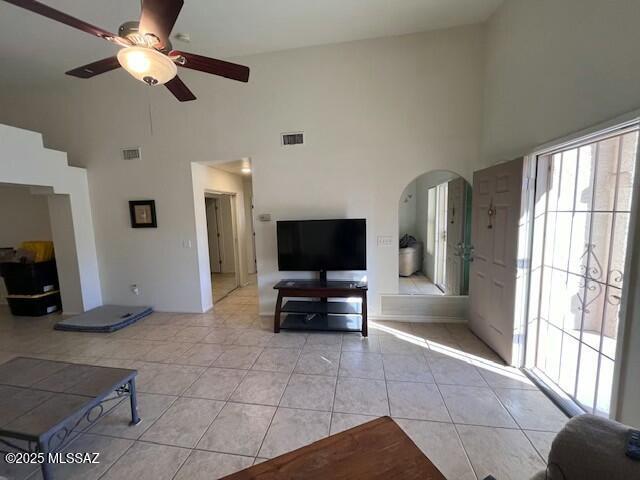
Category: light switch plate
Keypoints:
(264, 217)
(385, 240)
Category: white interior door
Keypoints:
(455, 236)
(254, 258)
(494, 237)
(441, 236)
(213, 233)
(227, 234)
(429, 263)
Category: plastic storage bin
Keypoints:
(30, 278)
(34, 305)
(42, 250)
(410, 259)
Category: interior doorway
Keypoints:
(26, 219)
(582, 213)
(434, 213)
(224, 235)
(39, 254)
(223, 248)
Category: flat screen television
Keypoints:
(322, 245)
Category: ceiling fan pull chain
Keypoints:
(150, 114)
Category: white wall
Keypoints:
(407, 211)
(555, 67)
(376, 114)
(23, 216)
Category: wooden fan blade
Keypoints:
(158, 18)
(58, 16)
(213, 66)
(179, 90)
(95, 68)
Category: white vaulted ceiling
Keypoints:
(33, 48)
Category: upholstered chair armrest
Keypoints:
(591, 448)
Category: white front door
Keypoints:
(494, 238)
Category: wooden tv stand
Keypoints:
(321, 314)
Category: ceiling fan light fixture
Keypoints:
(147, 53)
(147, 65)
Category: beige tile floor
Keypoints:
(222, 284)
(417, 284)
(219, 391)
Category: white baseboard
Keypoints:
(424, 306)
(417, 319)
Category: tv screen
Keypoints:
(322, 245)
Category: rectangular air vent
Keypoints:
(131, 153)
(294, 138)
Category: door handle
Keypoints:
(469, 253)
(491, 213)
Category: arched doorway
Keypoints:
(434, 214)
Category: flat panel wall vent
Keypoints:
(295, 138)
(131, 153)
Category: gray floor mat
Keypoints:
(106, 318)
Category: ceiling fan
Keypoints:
(146, 51)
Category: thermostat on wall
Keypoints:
(264, 217)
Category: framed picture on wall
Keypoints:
(143, 214)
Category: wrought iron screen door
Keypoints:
(581, 225)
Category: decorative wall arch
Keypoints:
(24, 161)
(412, 217)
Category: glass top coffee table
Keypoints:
(45, 404)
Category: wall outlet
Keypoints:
(135, 290)
(385, 240)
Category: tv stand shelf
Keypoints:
(315, 307)
(321, 314)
